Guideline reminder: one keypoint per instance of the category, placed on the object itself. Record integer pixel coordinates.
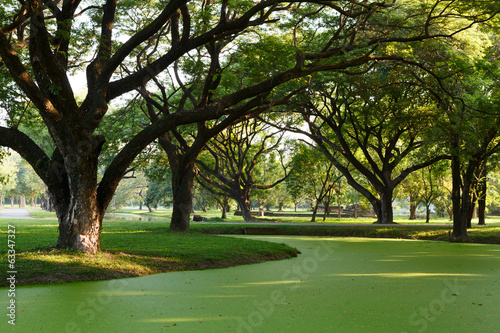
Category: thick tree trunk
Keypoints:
(471, 212)
(315, 211)
(481, 201)
(427, 213)
(383, 210)
(242, 197)
(80, 227)
(246, 213)
(224, 205)
(182, 190)
(387, 212)
(327, 209)
(413, 209)
(75, 202)
(459, 233)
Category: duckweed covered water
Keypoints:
(335, 285)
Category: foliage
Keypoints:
(19, 179)
(376, 125)
(241, 159)
(199, 67)
(129, 190)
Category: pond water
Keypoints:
(334, 285)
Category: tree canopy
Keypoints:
(211, 63)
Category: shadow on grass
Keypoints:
(54, 266)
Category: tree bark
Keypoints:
(413, 209)
(326, 204)
(315, 211)
(472, 211)
(244, 204)
(182, 190)
(384, 208)
(224, 205)
(459, 233)
(77, 208)
(427, 213)
(481, 201)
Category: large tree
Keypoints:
(465, 86)
(42, 43)
(377, 126)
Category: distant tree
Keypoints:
(279, 197)
(237, 161)
(29, 184)
(313, 176)
(129, 190)
(431, 190)
(8, 176)
(159, 184)
(409, 191)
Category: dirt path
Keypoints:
(14, 213)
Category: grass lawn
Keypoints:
(138, 248)
(129, 249)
